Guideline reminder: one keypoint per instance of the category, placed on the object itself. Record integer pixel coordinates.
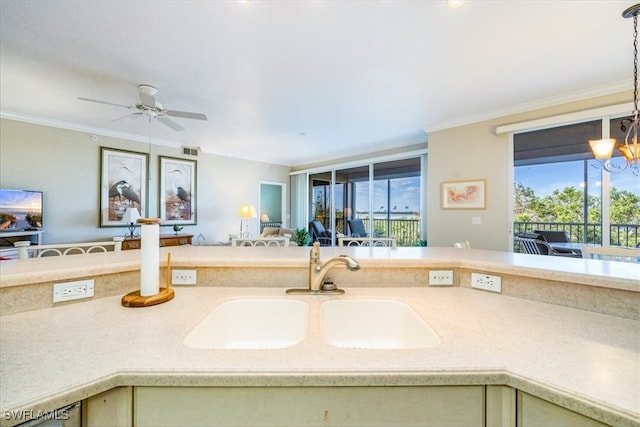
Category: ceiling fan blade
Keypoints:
(185, 115)
(105, 102)
(132, 115)
(168, 122)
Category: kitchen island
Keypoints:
(580, 360)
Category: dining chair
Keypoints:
(535, 244)
(557, 236)
(611, 253)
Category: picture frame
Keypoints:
(177, 191)
(124, 184)
(468, 194)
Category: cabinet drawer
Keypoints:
(166, 240)
(130, 244)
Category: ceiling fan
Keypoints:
(148, 106)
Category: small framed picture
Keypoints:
(123, 184)
(464, 194)
(177, 196)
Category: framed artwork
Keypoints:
(464, 194)
(177, 191)
(123, 184)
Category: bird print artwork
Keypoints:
(125, 185)
(178, 184)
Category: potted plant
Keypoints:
(301, 236)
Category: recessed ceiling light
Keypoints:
(455, 3)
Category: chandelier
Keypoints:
(630, 150)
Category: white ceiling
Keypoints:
(299, 81)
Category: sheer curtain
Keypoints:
(299, 201)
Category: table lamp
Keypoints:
(131, 215)
(246, 212)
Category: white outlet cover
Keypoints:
(486, 282)
(183, 277)
(69, 291)
(440, 277)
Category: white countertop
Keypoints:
(617, 275)
(585, 361)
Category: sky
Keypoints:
(545, 178)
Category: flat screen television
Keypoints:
(20, 209)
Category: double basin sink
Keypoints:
(268, 323)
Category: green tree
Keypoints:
(625, 207)
(524, 203)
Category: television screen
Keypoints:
(20, 209)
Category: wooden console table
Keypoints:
(165, 240)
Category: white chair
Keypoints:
(63, 249)
(390, 242)
(462, 245)
(611, 253)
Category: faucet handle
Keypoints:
(315, 251)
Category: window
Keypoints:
(559, 186)
(385, 195)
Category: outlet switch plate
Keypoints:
(183, 277)
(440, 277)
(73, 290)
(486, 282)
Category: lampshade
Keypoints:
(131, 215)
(264, 217)
(602, 148)
(247, 211)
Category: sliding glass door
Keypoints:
(386, 196)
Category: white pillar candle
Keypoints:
(149, 258)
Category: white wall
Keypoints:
(476, 152)
(66, 166)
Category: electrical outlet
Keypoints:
(440, 277)
(73, 290)
(486, 282)
(183, 277)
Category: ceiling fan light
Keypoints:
(455, 3)
(602, 148)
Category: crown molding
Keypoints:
(533, 105)
(85, 129)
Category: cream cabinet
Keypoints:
(112, 408)
(309, 406)
(492, 405)
(535, 412)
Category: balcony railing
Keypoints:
(578, 232)
(406, 231)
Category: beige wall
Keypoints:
(65, 165)
(476, 152)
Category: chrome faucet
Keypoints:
(318, 272)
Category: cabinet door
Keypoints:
(535, 412)
(113, 408)
(309, 406)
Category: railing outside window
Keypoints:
(621, 234)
